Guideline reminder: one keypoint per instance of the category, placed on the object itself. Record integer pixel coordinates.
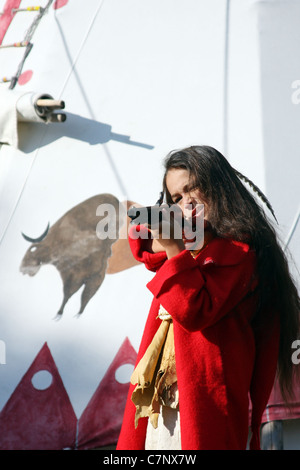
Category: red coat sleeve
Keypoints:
(139, 238)
(199, 292)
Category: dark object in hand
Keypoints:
(145, 215)
(154, 215)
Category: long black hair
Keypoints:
(233, 212)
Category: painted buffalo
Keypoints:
(84, 245)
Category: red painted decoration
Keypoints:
(101, 421)
(35, 419)
(7, 16)
(41, 416)
(59, 4)
(25, 77)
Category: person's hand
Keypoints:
(167, 234)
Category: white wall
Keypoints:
(152, 71)
(157, 72)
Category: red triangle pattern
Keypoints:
(35, 419)
(45, 420)
(100, 423)
(38, 419)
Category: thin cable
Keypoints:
(85, 97)
(73, 63)
(292, 230)
(30, 32)
(23, 187)
(14, 80)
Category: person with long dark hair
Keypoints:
(223, 317)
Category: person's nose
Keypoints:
(187, 200)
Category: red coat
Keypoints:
(220, 357)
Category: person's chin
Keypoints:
(193, 244)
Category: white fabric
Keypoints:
(167, 434)
(163, 314)
(14, 107)
(8, 118)
(27, 110)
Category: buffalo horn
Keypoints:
(39, 239)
